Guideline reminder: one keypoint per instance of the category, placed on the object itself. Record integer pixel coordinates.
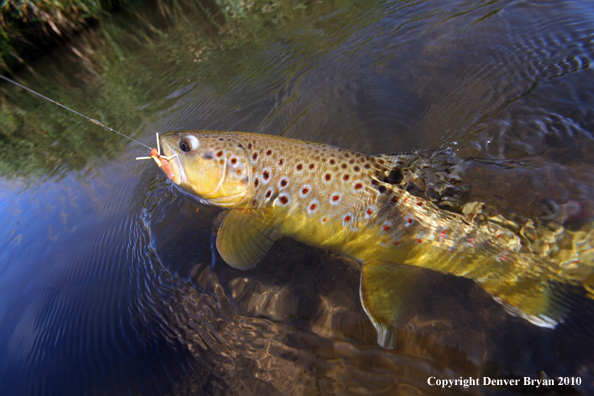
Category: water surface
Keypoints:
(109, 279)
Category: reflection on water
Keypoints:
(109, 279)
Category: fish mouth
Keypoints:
(179, 175)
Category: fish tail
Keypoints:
(539, 295)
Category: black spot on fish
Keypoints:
(394, 177)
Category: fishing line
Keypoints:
(74, 111)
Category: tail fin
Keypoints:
(576, 306)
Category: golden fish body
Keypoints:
(329, 197)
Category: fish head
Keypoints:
(213, 166)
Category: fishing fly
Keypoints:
(155, 153)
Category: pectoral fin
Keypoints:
(245, 236)
(387, 293)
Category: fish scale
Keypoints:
(353, 203)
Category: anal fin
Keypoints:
(245, 236)
(388, 291)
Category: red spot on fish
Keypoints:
(420, 203)
(324, 220)
(346, 177)
(313, 206)
(358, 186)
(311, 166)
(219, 154)
(328, 176)
(409, 220)
(233, 161)
(396, 243)
(443, 234)
(305, 190)
(369, 211)
(283, 183)
(419, 240)
(269, 152)
(347, 218)
(281, 161)
(299, 167)
(266, 175)
(283, 200)
(386, 227)
(335, 197)
(255, 156)
(256, 182)
(268, 194)
(470, 240)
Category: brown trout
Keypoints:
(350, 202)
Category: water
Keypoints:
(109, 279)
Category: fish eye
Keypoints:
(188, 143)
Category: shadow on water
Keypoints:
(109, 279)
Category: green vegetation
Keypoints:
(126, 73)
(28, 26)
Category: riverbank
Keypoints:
(29, 27)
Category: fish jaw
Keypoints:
(173, 159)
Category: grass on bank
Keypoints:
(27, 27)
